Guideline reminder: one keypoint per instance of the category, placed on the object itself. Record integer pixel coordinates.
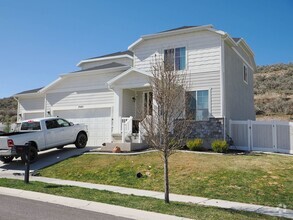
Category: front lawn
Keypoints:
(137, 202)
(254, 178)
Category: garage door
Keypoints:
(27, 116)
(98, 122)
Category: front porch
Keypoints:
(133, 101)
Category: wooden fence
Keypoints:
(267, 136)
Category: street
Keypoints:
(13, 208)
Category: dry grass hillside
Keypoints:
(273, 95)
(8, 110)
(273, 92)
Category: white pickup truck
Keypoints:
(42, 134)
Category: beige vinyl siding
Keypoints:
(238, 94)
(208, 81)
(125, 61)
(202, 48)
(80, 99)
(132, 80)
(83, 82)
(31, 104)
(203, 61)
(245, 55)
(128, 103)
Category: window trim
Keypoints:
(245, 74)
(174, 56)
(209, 90)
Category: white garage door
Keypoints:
(97, 120)
(27, 116)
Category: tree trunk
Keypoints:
(166, 178)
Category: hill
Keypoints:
(273, 94)
(8, 110)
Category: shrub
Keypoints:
(220, 146)
(195, 144)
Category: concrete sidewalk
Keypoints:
(273, 211)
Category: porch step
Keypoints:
(133, 138)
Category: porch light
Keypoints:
(133, 98)
(49, 113)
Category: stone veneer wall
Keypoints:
(206, 130)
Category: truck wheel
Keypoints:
(33, 155)
(81, 140)
(6, 159)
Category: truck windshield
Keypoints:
(30, 126)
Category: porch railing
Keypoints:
(126, 128)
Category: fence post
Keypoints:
(123, 133)
(249, 135)
(274, 136)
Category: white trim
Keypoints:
(209, 89)
(246, 62)
(222, 80)
(243, 73)
(104, 58)
(50, 85)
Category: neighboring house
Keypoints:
(114, 89)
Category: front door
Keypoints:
(147, 103)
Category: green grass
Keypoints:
(255, 178)
(143, 203)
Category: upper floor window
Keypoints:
(175, 58)
(245, 74)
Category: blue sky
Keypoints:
(39, 40)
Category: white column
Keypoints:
(117, 111)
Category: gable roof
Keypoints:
(29, 91)
(236, 39)
(179, 28)
(120, 54)
(105, 66)
(127, 52)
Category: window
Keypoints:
(30, 126)
(63, 123)
(57, 123)
(175, 59)
(51, 124)
(245, 76)
(197, 107)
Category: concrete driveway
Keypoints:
(46, 158)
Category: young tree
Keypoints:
(166, 130)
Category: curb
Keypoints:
(88, 205)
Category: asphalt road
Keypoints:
(13, 208)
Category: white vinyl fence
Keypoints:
(267, 136)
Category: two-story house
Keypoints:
(109, 92)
